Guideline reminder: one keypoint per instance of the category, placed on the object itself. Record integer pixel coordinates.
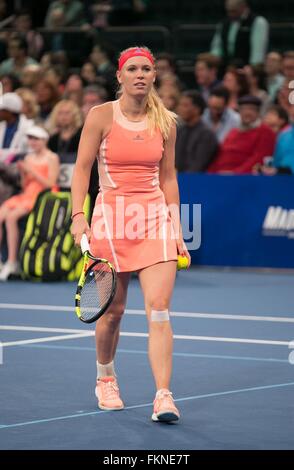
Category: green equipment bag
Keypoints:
(47, 251)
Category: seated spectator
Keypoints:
(236, 82)
(57, 59)
(9, 83)
(242, 38)
(47, 97)
(283, 157)
(283, 95)
(276, 118)
(101, 58)
(46, 61)
(170, 97)
(165, 63)
(288, 66)
(30, 107)
(196, 144)
(247, 145)
(66, 125)
(6, 18)
(9, 180)
(23, 25)
(256, 77)
(39, 170)
(98, 13)
(88, 73)
(31, 75)
(93, 96)
(170, 80)
(63, 13)
(166, 71)
(6, 9)
(73, 83)
(18, 57)
(73, 89)
(218, 116)
(275, 79)
(206, 70)
(13, 126)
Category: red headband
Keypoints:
(135, 52)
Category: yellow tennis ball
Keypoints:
(182, 262)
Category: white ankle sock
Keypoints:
(105, 370)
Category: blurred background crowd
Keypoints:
(226, 67)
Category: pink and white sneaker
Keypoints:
(164, 407)
(107, 392)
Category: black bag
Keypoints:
(47, 251)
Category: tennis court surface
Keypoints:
(233, 380)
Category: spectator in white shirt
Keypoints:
(13, 126)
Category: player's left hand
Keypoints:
(182, 250)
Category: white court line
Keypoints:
(43, 329)
(145, 405)
(218, 338)
(85, 333)
(218, 316)
(45, 340)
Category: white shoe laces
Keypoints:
(163, 394)
(111, 390)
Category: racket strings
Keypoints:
(96, 291)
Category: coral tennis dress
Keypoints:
(27, 198)
(131, 225)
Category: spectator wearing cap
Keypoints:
(242, 38)
(196, 144)
(18, 57)
(39, 170)
(13, 125)
(218, 116)
(246, 146)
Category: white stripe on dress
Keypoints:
(164, 229)
(109, 235)
(103, 160)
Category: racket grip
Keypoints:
(84, 244)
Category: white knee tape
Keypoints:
(159, 315)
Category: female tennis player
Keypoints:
(135, 223)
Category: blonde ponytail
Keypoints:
(159, 117)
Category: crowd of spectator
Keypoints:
(236, 119)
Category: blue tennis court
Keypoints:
(233, 380)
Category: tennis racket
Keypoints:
(96, 286)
